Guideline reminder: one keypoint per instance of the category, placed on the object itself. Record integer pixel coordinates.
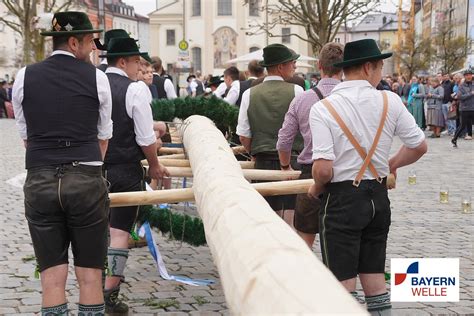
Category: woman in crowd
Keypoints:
(434, 117)
(415, 100)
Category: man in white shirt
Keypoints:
(262, 112)
(63, 109)
(134, 139)
(162, 81)
(356, 121)
(231, 79)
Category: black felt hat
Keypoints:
(115, 33)
(122, 47)
(70, 23)
(468, 71)
(214, 81)
(275, 54)
(359, 52)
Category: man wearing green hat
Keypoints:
(134, 139)
(63, 111)
(114, 33)
(262, 111)
(352, 131)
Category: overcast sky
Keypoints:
(144, 7)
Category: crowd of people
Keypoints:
(336, 128)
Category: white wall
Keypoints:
(144, 36)
(130, 26)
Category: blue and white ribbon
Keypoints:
(145, 231)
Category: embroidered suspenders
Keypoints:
(367, 157)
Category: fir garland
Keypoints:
(220, 112)
(177, 226)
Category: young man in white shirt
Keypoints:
(355, 213)
(231, 79)
(134, 139)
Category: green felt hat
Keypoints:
(147, 58)
(275, 54)
(115, 33)
(468, 71)
(359, 52)
(214, 81)
(122, 47)
(70, 23)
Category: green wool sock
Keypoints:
(378, 302)
(58, 310)
(91, 310)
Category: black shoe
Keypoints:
(434, 136)
(454, 142)
(113, 305)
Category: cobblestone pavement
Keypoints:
(421, 227)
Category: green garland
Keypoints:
(173, 224)
(225, 117)
(220, 112)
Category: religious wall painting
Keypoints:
(225, 46)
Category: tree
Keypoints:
(21, 17)
(451, 52)
(321, 19)
(414, 54)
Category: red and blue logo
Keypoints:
(401, 277)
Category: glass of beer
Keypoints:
(412, 177)
(443, 194)
(466, 205)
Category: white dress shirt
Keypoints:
(104, 124)
(243, 125)
(360, 106)
(137, 102)
(233, 94)
(219, 92)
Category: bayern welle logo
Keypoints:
(417, 280)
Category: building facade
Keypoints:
(216, 31)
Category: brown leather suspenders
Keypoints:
(366, 157)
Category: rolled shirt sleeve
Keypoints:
(17, 100)
(169, 89)
(406, 128)
(138, 100)
(105, 124)
(289, 129)
(243, 125)
(323, 144)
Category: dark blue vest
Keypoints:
(61, 109)
(122, 147)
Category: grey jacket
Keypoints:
(466, 96)
(436, 99)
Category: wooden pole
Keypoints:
(264, 266)
(185, 163)
(187, 195)
(173, 156)
(174, 150)
(249, 174)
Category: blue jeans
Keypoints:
(449, 124)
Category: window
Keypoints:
(285, 35)
(170, 38)
(224, 7)
(337, 40)
(196, 8)
(254, 7)
(196, 51)
(253, 49)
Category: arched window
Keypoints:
(224, 7)
(196, 55)
(196, 8)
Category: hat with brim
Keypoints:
(359, 52)
(147, 58)
(468, 72)
(70, 23)
(115, 33)
(214, 81)
(123, 47)
(276, 54)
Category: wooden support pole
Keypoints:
(168, 162)
(264, 266)
(184, 195)
(249, 174)
(173, 156)
(174, 150)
